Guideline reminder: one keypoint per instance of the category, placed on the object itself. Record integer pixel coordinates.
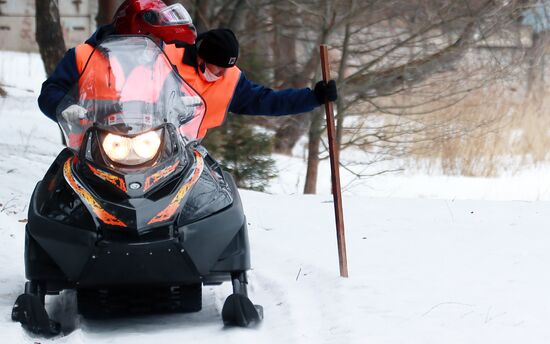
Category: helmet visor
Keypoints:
(173, 15)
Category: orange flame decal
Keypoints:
(88, 199)
(171, 209)
(116, 181)
(157, 176)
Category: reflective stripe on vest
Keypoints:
(217, 94)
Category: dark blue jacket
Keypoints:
(248, 99)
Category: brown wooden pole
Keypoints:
(335, 170)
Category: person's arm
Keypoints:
(58, 85)
(250, 98)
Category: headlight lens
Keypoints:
(146, 145)
(117, 147)
(132, 151)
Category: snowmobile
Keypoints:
(134, 214)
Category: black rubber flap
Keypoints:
(30, 312)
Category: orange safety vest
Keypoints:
(217, 95)
(105, 86)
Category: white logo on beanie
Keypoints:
(232, 60)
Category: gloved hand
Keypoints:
(74, 113)
(325, 90)
(185, 108)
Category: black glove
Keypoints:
(325, 91)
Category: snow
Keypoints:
(528, 184)
(432, 259)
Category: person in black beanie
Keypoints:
(210, 67)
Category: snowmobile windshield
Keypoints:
(127, 88)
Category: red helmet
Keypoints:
(143, 17)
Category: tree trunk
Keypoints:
(536, 67)
(314, 141)
(237, 20)
(340, 81)
(284, 43)
(105, 11)
(287, 74)
(49, 34)
(289, 132)
(2, 92)
(200, 19)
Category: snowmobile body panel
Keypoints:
(65, 244)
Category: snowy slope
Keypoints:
(421, 270)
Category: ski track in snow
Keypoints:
(421, 271)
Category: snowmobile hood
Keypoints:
(140, 214)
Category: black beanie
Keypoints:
(218, 47)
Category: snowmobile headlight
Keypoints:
(117, 147)
(132, 151)
(146, 145)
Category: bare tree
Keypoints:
(405, 60)
(314, 142)
(49, 34)
(400, 65)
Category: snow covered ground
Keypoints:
(432, 259)
(531, 184)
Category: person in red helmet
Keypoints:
(152, 17)
(167, 24)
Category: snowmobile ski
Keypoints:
(30, 311)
